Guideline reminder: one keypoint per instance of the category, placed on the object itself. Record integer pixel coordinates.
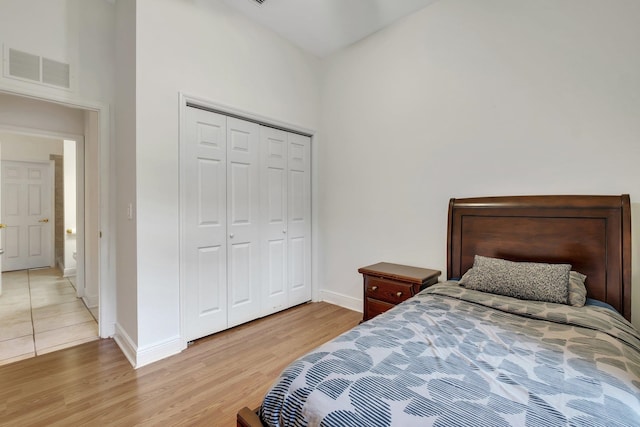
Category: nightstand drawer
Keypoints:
(376, 307)
(387, 290)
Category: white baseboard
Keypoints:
(126, 344)
(107, 330)
(90, 301)
(68, 272)
(342, 300)
(159, 351)
(139, 357)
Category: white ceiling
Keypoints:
(324, 26)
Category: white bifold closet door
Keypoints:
(243, 216)
(246, 195)
(286, 228)
(221, 249)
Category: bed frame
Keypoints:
(592, 233)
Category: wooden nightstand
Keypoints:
(386, 285)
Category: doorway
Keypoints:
(42, 303)
(39, 209)
(23, 111)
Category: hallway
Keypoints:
(40, 313)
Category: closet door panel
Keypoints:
(209, 193)
(277, 258)
(276, 207)
(211, 282)
(276, 242)
(273, 147)
(204, 185)
(299, 218)
(298, 197)
(243, 211)
(239, 273)
(297, 273)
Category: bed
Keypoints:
(479, 350)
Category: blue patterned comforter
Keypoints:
(452, 357)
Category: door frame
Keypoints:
(104, 173)
(186, 100)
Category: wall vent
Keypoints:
(26, 66)
(55, 73)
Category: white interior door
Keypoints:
(273, 147)
(204, 188)
(243, 210)
(26, 210)
(299, 218)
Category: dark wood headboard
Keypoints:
(592, 233)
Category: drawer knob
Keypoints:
(399, 294)
(374, 288)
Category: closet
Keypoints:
(246, 230)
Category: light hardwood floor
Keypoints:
(205, 385)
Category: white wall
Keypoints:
(207, 50)
(96, 48)
(43, 33)
(19, 112)
(468, 98)
(78, 32)
(28, 148)
(125, 156)
(21, 28)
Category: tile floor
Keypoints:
(40, 313)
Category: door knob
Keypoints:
(44, 220)
(231, 235)
(3, 226)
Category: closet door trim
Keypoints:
(249, 117)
